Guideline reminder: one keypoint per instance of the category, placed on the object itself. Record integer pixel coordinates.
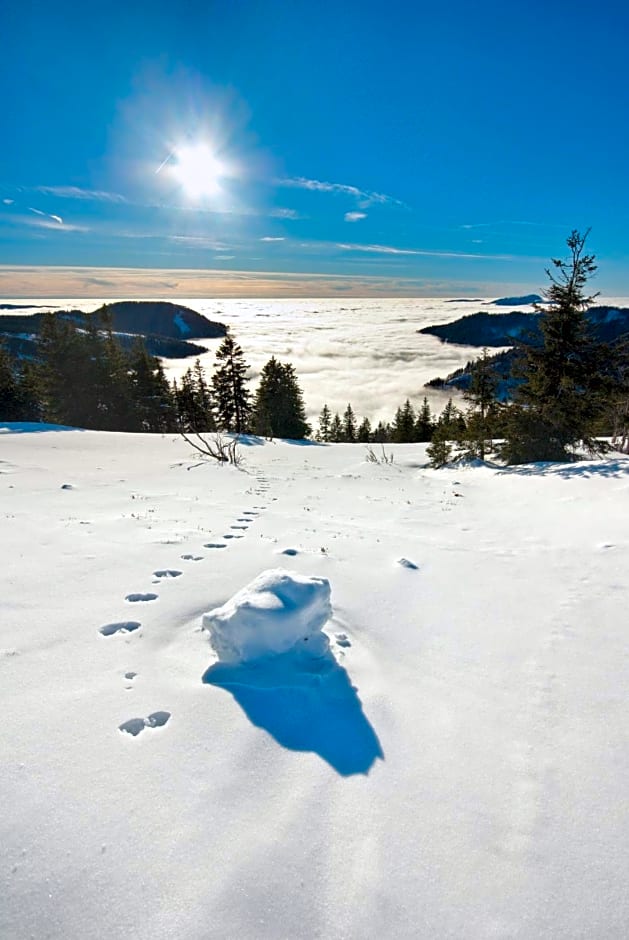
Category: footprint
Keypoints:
(244, 519)
(342, 639)
(125, 626)
(167, 573)
(230, 535)
(244, 527)
(289, 551)
(130, 675)
(215, 545)
(249, 512)
(405, 563)
(135, 725)
(192, 557)
(134, 598)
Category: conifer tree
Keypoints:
(325, 420)
(153, 402)
(349, 425)
(364, 431)
(404, 424)
(564, 389)
(475, 438)
(278, 409)
(382, 433)
(336, 429)
(11, 401)
(424, 425)
(232, 398)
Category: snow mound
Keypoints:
(277, 611)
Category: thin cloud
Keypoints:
(285, 214)
(272, 238)
(75, 192)
(46, 215)
(473, 225)
(429, 253)
(8, 202)
(364, 197)
(355, 216)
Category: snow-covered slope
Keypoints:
(452, 762)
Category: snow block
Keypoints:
(277, 611)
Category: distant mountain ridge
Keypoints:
(507, 329)
(166, 328)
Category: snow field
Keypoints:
(454, 765)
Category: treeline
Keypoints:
(82, 376)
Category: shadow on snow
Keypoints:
(567, 471)
(32, 427)
(306, 705)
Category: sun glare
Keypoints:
(197, 170)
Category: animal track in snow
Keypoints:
(134, 598)
(405, 563)
(130, 675)
(167, 573)
(342, 640)
(231, 535)
(192, 557)
(215, 545)
(239, 527)
(125, 626)
(289, 551)
(135, 725)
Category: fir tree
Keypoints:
(325, 419)
(336, 429)
(404, 424)
(278, 409)
(473, 442)
(424, 425)
(364, 431)
(231, 397)
(349, 425)
(152, 395)
(564, 389)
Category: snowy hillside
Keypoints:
(315, 697)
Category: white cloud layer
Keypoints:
(354, 216)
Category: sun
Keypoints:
(197, 170)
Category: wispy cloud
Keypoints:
(272, 238)
(355, 216)
(285, 214)
(47, 215)
(76, 192)
(8, 202)
(364, 197)
(429, 253)
(473, 225)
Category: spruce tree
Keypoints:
(232, 398)
(349, 425)
(336, 429)
(404, 424)
(325, 419)
(11, 402)
(564, 389)
(154, 409)
(424, 425)
(364, 431)
(476, 438)
(278, 409)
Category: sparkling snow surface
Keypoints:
(453, 762)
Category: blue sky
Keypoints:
(370, 148)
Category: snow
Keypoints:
(181, 324)
(271, 615)
(452, 761)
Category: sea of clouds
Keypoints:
(364, 351)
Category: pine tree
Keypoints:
(404, 424)
(473, 442)
(325, 419)
(278, 409)
(349, 425)
(424, 425)
(336, 429)
(364, 431)
(11, 400)
(154, 409)
(382, 433)
(193, 401)
(564, 390)
(231, 396)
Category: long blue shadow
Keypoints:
(306, 705)
(32, 427)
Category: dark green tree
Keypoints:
(404, 424)
(565, 387)
(278, 409)
(325, 420)
(336, 429)
(363, 434)
(232, 399)
(349, 425)
(154, 408)
(424, 425)
(476, 438)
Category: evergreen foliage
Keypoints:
(194, 401)
(565, 385)
(349, 425)
(278, 409)
(325, 421)
(232, 399)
